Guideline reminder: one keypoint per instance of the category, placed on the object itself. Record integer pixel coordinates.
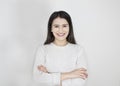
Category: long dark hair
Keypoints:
(62, 14)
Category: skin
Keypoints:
(77, 73)
(60, 30)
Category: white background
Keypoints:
(23, 26)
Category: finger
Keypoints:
(45, 71)
(41, 68)
(85, 74)
(80, 72)
(82, 76)
(83, 69)
(40, 65)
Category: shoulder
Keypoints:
(42, 47)
(77, 46)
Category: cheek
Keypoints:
(53, 32)
(67, 30)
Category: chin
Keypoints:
(61, 39)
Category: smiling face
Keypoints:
(60, 29)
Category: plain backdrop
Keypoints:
(23, 26)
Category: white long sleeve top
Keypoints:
(59, 59)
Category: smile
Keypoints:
(60, 34)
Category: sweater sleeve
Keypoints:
(81, 60)
(80, 63)
(50, 79)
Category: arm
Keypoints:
(81, 67)
(81, 60)
(43, 77)
(80, 63)
(77, 73)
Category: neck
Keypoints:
(60, 43)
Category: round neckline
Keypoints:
(60, 46)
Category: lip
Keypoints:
(60, 34)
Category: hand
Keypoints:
(42, 68)
(77, 73)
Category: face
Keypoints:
(60, 29)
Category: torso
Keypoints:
(61, 59)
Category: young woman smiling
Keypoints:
(60, 61)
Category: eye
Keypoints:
(56, 26)
(64, 25)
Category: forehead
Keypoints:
(60, 21)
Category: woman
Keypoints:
(60, 61)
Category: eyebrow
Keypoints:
(58, 24)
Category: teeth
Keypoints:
(61, 34)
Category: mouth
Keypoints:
(60, 34)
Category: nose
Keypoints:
(60, 29)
